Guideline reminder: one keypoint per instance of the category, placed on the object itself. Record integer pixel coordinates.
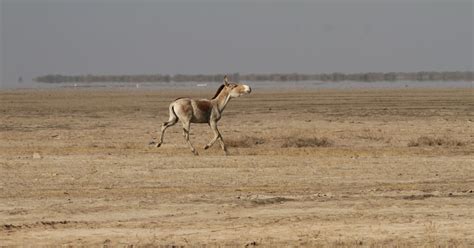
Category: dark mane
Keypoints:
(218, 91)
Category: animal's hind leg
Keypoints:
(186, 128)
(173, 119)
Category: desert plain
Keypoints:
(314, 168)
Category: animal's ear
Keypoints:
(226, 81)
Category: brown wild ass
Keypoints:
(203, 111)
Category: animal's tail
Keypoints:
(173, 116)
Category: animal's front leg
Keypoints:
(213, 126)
(224, 148)
(217, 136)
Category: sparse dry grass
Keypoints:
(244, 141)
(435, 141)
(373, 135)
(307, 142)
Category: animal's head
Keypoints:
(236, 90)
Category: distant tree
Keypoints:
(364, 77)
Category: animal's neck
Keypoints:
(221, 100)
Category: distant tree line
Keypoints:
(283, 77)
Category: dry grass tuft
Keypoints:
(307, 142)
(434, 141)
(271, 200)
(368, 134)
(244, 141)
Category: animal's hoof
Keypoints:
(226, 152)
(158, 145)
(206, 147)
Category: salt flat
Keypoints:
(326, 167)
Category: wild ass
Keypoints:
(203, 111)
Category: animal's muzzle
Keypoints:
(248, 89)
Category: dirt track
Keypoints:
(338, 168)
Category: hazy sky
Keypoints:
(131, 37)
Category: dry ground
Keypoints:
(315, 168)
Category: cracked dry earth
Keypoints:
(338, 168)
